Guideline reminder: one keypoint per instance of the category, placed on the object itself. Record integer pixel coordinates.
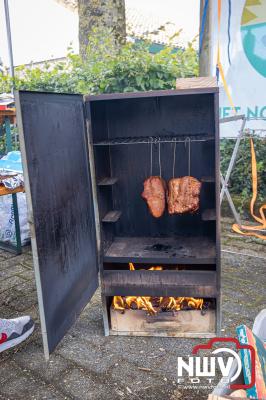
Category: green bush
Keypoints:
(106, 70)
(14, 139)
(241, 180)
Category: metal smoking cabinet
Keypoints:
(85, 160)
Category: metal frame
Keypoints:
(225, 180)
(8, 134)
(218, 214)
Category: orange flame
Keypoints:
(148, 303)
(140, 303)
(118, 303)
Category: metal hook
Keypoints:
(151, 159)
(188, 140)
(160, 166)
(174, 159)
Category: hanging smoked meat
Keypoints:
(154, 194)
(183, 195)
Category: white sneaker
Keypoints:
(14, 331)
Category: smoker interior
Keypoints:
(125, 133)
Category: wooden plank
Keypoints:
(159, 283)
(107, 182)
(196, 83)
(190, 323)
(9, 113)
(4, 191)
(112, 216)
(150, 93)
(171, 250)
(188, 335)
(208, 215)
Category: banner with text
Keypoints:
(243, 57)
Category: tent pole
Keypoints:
(9, 38)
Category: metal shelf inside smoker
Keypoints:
(168, 250)
(154, 140)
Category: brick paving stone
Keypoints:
(84, 387)
(15, 260)
(33, 311)
(18, 301)
(33, 360)
(11, 282)
(7, 296)
(8, 312)
(90, 324)
(27, 263)
(26, 287)
(27, 274)
(27, 388)
(8, 370)
(136, 378)
(7, 255)
(11, 271)
(85, 355)
(22, 303)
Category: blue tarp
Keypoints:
(11, 162)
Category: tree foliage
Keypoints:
(107, 69)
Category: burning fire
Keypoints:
(153, 305)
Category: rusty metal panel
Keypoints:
(59, 192)
(159, 283)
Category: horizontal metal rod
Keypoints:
(256, 118)
(243, 137)
(233, 118)
(152, 140)
(243, 254)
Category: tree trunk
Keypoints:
(105, 14)
(205, 55)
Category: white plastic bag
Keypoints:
(7, 220)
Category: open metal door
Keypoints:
(60, 204)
